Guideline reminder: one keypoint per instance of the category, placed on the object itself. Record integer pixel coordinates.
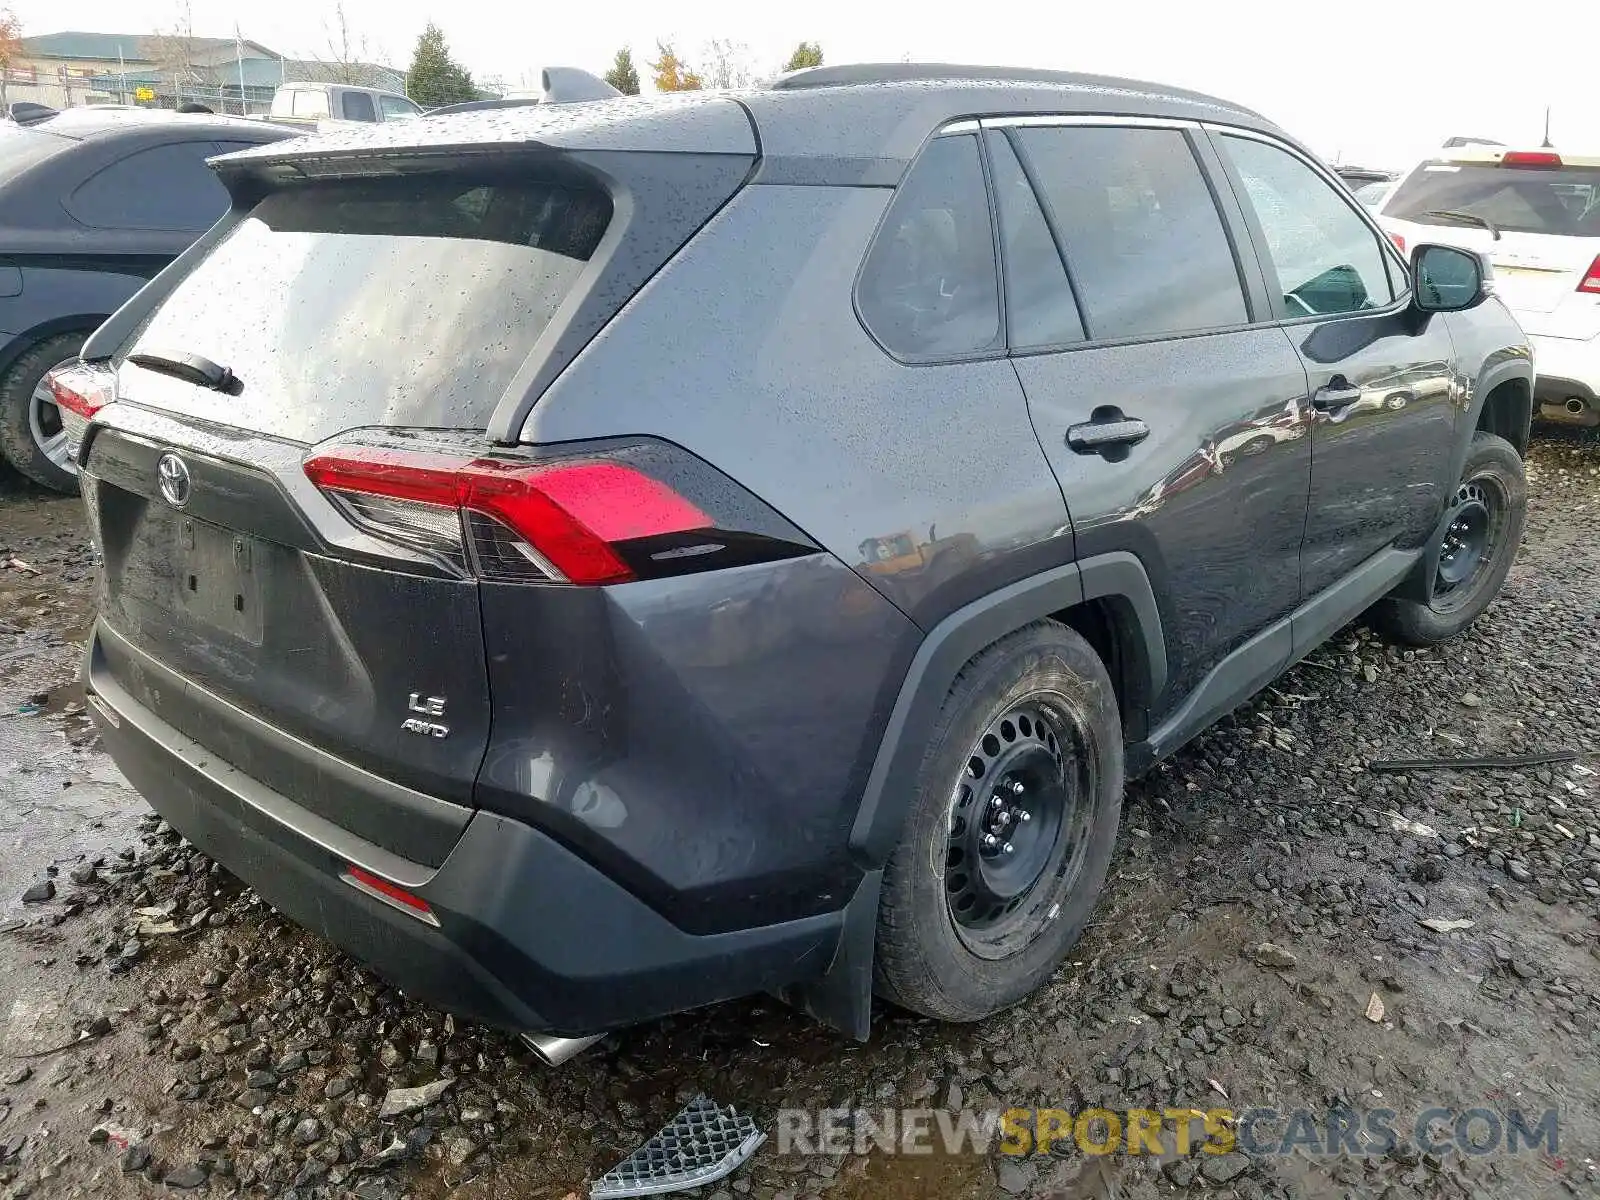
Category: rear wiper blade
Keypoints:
(191, 368)
(1455, 214)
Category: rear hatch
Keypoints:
(1535, 214)
(325, 643)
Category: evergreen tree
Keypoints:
(622, 75)
(435, 78)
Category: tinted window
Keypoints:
(1328, 259)
(396, 301)
(1563, 200)
(358, 106)
(929, 288)
(1147, 247)
(394, 106)
(164, 187)
(1040, 309)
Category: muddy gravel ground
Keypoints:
(162, 1029)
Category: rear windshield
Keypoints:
(21, 148)
(402, 301)
(1563, 200)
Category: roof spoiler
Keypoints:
(27, 112)
(572, 85)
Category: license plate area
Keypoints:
(217, 580)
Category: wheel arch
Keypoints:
(1108, 600)
(1502, 404)
(20, 343)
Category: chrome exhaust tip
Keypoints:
(553, 1051)
(1575, 406)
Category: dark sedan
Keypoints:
(93, 202)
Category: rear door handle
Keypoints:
(1338, 393)
(1106, 433)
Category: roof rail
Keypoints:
(572, 85)
(901, 72)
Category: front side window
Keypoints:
(1329, 260)
(396, 107)
(929, 288)
(310, 103)
(1142, 234)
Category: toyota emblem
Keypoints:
(172, 473)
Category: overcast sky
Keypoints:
(1372, 81)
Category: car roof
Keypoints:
(85, 123)
(862, 123)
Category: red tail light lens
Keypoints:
(591, 519)
(1530, 158)
(1590, 283)
(80, 391)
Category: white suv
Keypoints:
(1536, 214)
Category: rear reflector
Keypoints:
(1399, 242)
(1530, 158)
(79, 391)
(620, 513)
(1590, 283)
(391, 893)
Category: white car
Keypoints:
(1536, 214)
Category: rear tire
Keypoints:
(29, 428)
(966, 929)
(1489, 509)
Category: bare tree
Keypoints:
(348, 54)
(172, 51)
(727, 64)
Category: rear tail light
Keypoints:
(626, 511)
(1530, 158)
(1590, 283)
(79, 391)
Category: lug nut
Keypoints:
(1018, 787)
(1024, 815)
(1006, 848)
(990, 840)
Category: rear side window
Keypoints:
(1328, 259)
(399, 301)
(163, 187)
(1147, 247)
(929, 288)
(358, 106)
(1040, 310)
(21, 148)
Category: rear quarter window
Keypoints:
(161, 187)
(929, 288)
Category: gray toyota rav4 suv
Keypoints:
(593, 560)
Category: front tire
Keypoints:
(981, 903)
(31, 438)
(1486, 516)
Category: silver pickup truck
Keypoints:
(314, 103)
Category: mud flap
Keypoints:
(842, 998)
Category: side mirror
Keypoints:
(1449, 279)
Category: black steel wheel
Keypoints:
(1010, 832)
(1482, 530)
(1017, 816)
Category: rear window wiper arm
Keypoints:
(1455, 214)
(191, 368)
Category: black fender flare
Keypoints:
(1418, 583)
(843, 997)
(961, 635)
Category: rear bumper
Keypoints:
(529, 937)
(1566, 370)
